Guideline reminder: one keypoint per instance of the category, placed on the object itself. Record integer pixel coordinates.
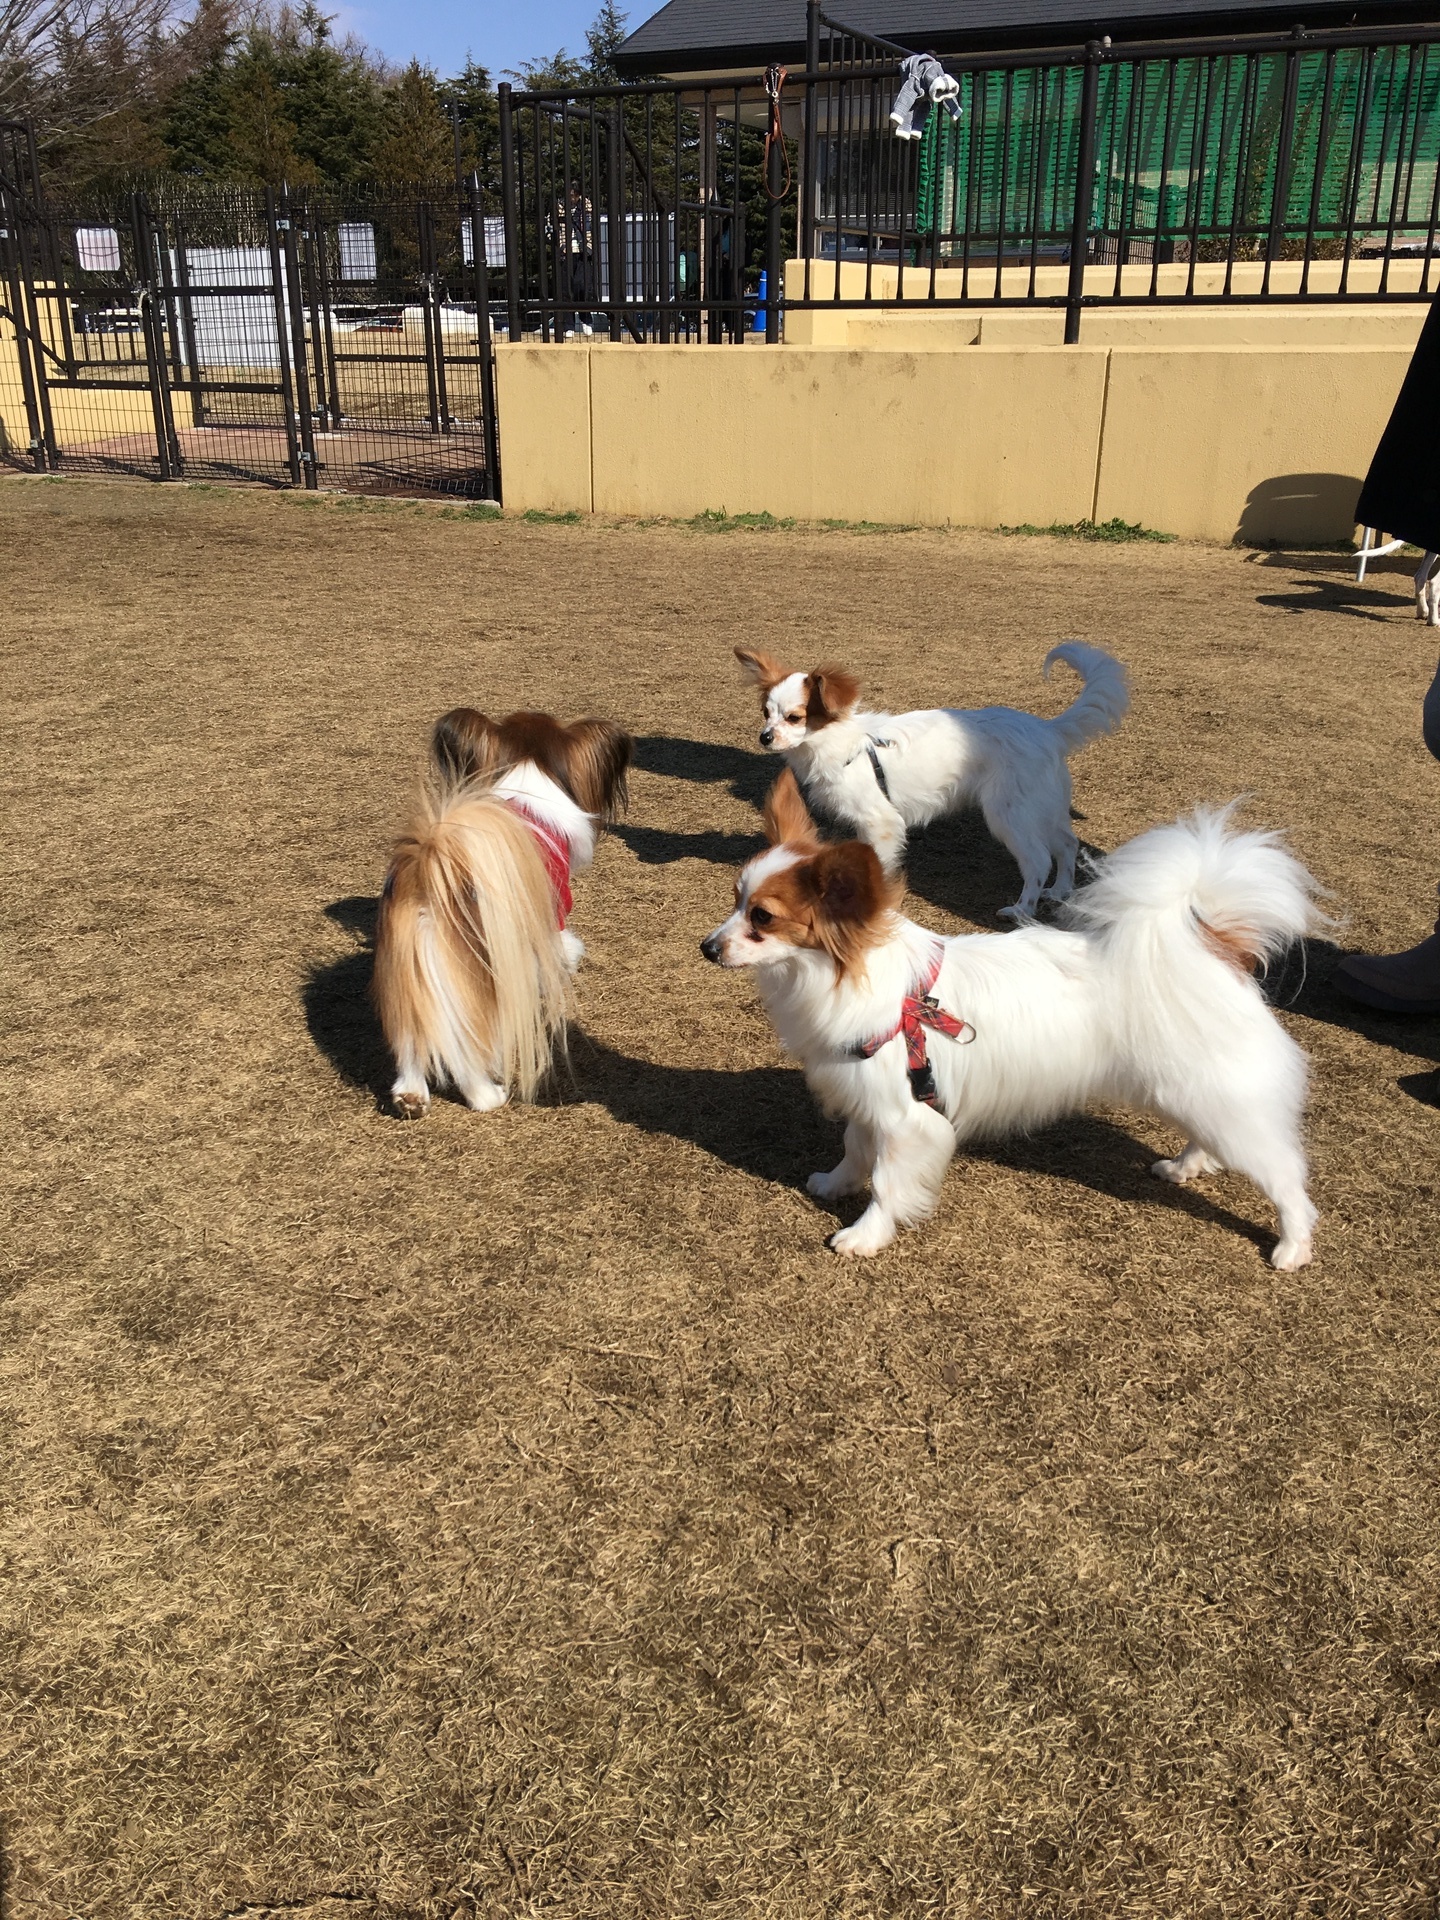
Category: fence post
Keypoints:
(430, 307)
(282, 339)
(296, 333)
(774, 197)
(1280, 196)
(167, 448)
(509, 206)
(28, 320)
(615, 216)
(10, 254)
(805, 224)
(187, 323)
(1084, 188)
(488, 423)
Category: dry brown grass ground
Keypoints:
(525, 1514)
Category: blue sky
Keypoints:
(500, 35)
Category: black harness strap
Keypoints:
(880, 780)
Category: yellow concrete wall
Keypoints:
(1265, 443)
(909, 325)
(1247, 276)
(1210, 442)
(974, 438)
(542, 399)
(1358, 325)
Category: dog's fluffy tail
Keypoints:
(1245, 894)
(470, 982)
(1104, 701)
(1179, 910)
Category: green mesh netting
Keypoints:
(1193, 144)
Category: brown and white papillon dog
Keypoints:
(1146, 997)
(473, 958)
(880, 774)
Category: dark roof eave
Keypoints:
(748, 57)
(753, 56)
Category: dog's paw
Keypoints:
(1019, 915)
(410, 1105)
(831, 1186)
(1183, 1169)
(572, 950)
(484, 1097)
(1290, 1255)
(867, 1236)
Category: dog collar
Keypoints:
(919, 1010)
(555, 852)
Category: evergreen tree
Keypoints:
(284, 103)
(98, 86)
(602, 37)
(563, 70)
(470, 100)
(263, 142)
(333, 95)
(416, 146)
(194, 124)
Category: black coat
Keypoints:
(1401, 494)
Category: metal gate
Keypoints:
(296, 339)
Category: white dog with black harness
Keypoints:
(881, 774)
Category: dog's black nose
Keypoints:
(710, 947)
(767, 738)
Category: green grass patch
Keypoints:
(537, 518)
(1112, 530)
(874, 526)
(717, 520)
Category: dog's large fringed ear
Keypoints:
(464, 746)
(599, 756)
(849, 881)
(850, 888)
(833, 692)
(760, 669)
(787, 818)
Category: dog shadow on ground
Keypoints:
(958, 866)
(745, 775)
(955, 865)
(1303, 983)
(764, 1121)
(655, 847)
(338, 1009)
(761, 1120)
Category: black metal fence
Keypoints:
(637, 212)
(298, 339)
(1281, 168)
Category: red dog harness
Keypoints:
(555, 852)
(919, 1010)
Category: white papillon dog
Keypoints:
(472, 955)
(879, 774)
(1146, 999)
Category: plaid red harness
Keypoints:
(555, 852)
(919, 1010)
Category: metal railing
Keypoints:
(1299, 167)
